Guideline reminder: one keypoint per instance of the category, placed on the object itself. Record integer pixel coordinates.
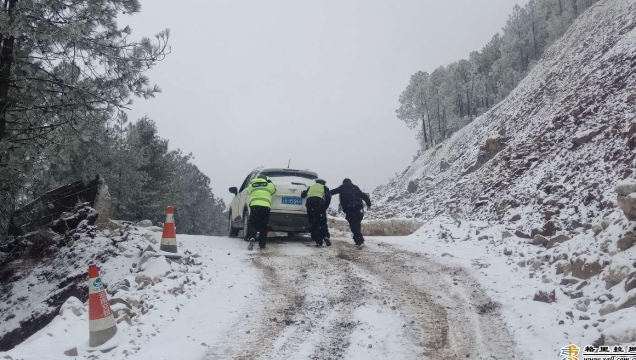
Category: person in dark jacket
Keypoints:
(318, 200)
(351, 200)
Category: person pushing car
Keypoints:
(261, 191)
(318, 200)
(351, 198)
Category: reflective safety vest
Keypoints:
(316, 190)
(261, 192)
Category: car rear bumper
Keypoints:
(288, 222)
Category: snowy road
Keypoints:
(291, 302)
(345, 303)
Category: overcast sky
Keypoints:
(256, 82)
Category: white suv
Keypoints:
(288, 208)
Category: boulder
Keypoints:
(607, 308)
(583, 270)
(630, 302)
(597, 229)
(549, 229)
(540, 240)
(412, 187)
(575, 224)
(545, 297)
(626, 241)
(630, 282)
(585, 136)
(564, 268)
(522, 235)
(628, 205)
(515, 218)
(145, 223)
(557, 240)
(582, 305)
(444, 165)
(70, 352)
(615, 276)
(625, 187)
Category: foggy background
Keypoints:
(256, 83)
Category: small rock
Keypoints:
(570, 314)
(150, 249)
(447, 255)
(507, 252)
(370, 346)
(582, 285)
(545, 297)
(71, 352)
(114, 301)
(575, 224)
(582, 306)
(412, 187)
(540, 240)
(247, 332)
(522, 235)
(557, 240)
(569, 281)
(576, 295)
(584, 317)
(515, 218)
(561, 322)
(630, 282)
(597, 229)
(444, 165)
(506, 235)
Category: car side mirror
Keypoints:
(234, 190)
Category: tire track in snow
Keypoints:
(309, 308)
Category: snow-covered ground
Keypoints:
(424, 296)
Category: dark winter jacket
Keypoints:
(351, 196)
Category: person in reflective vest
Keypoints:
(318, 200)
(261, 191)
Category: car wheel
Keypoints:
(246, 225)
(232, 232)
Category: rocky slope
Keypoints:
(548, 161)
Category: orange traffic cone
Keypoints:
(169, 236)
(101, 322)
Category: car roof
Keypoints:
(288, 170)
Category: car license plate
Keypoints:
(292, 201)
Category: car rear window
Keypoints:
(289, 173)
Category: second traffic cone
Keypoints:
(101, 322)
(169, 236)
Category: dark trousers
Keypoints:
(354, 215)
(259, 217)
(317, 214)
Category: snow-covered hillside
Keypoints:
(559, 142)
(545, 163)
